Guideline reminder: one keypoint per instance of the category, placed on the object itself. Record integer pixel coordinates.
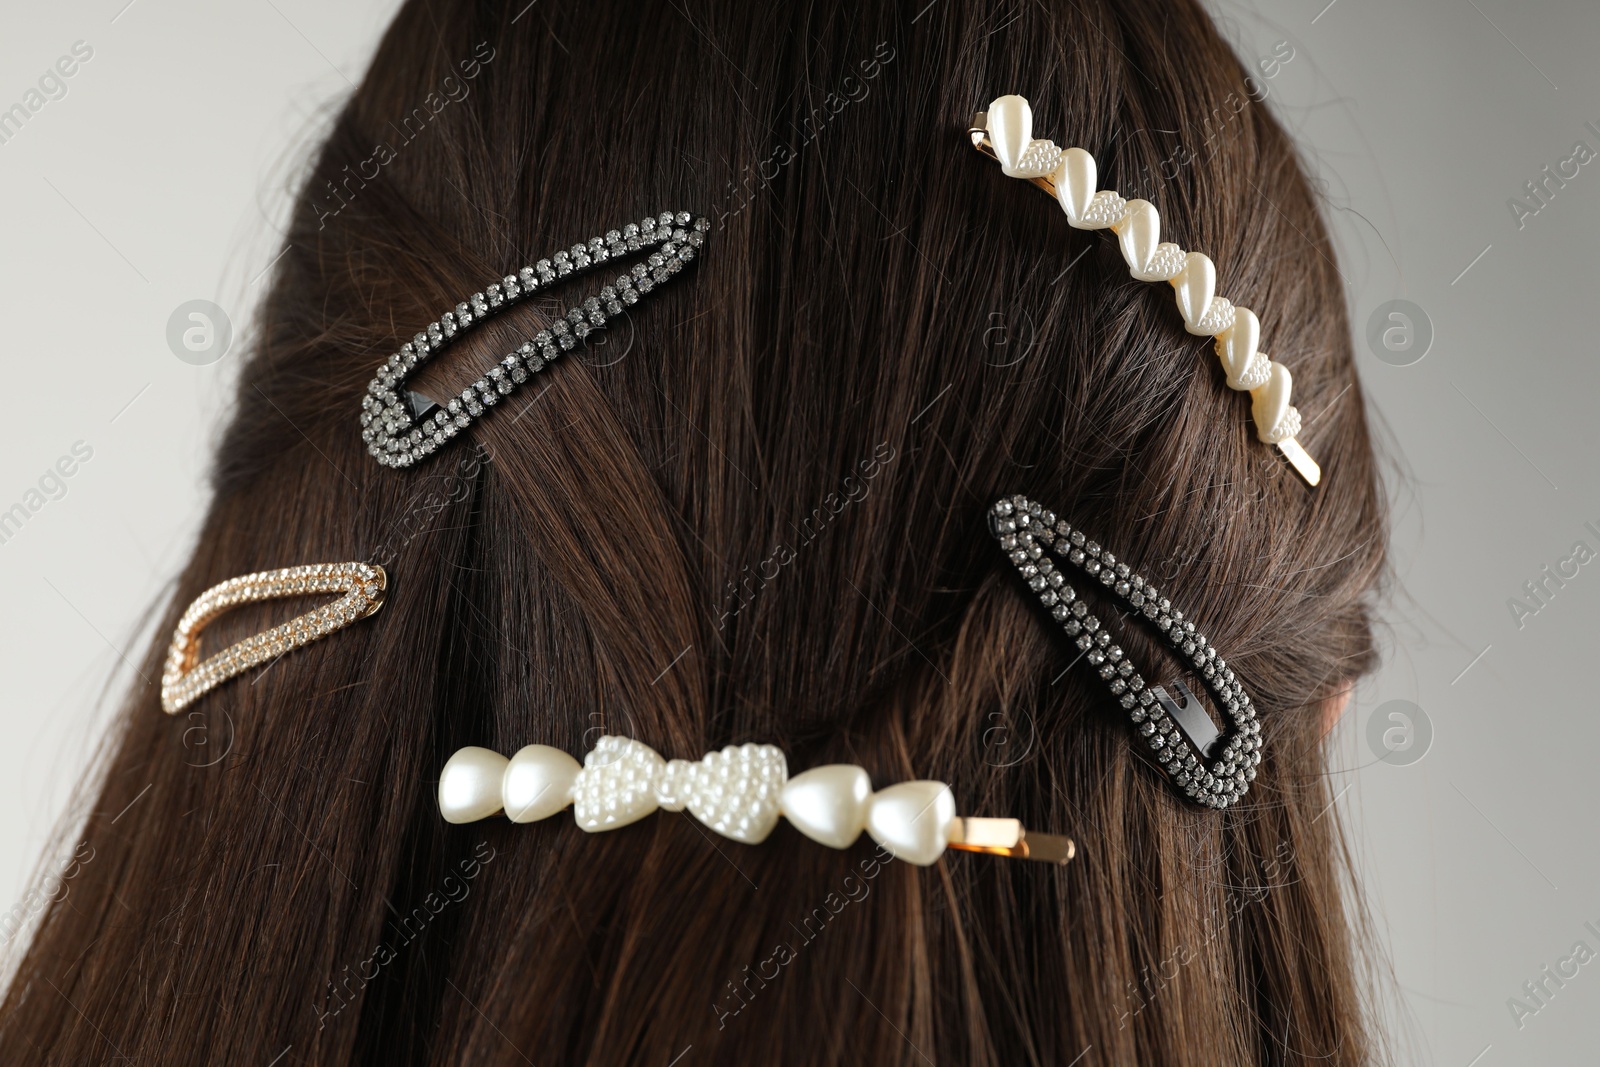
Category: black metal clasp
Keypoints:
(1193, 722)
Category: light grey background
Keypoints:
(162, 175)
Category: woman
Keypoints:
(752, 509)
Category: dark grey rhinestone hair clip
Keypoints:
(1213, 767)
(402, 426)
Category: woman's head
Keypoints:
(756, 513)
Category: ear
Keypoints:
(1333, 709)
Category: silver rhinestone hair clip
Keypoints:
(1213, 767)
(402, 426)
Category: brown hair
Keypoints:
(756, 515)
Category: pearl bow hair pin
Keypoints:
(1005, 133)
(739, 792)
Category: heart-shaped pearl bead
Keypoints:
(828, 804)
(538, 783)
(1195, 287)
(469, 785)
(1138, 232)
(912, 820)
(1010, 123)
(1236, 346)
(1269, 406)
(1075, 183)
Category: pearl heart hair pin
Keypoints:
(1005, 133)
(402, 426)
(739, 792)
(185, 679)
(1213, 767)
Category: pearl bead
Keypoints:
(1269, 406)
(828, 804)
(912, 820)
(538, 783)
(1076, 183)
(1138, 232)
(1195, 287)
(469, 785)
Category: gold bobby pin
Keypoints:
(185, 679)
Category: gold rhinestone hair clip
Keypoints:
(1005, 133)
(185, 678)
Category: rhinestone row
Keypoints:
(183, 681)
(1025, 531)
(396, 437)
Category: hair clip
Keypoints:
(401, 426)
(1005, 133)
(1213, 767)
(739, 792)
(185, 679)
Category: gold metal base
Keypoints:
(1301, 460)
(1006, 837)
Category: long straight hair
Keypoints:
(755, 514)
